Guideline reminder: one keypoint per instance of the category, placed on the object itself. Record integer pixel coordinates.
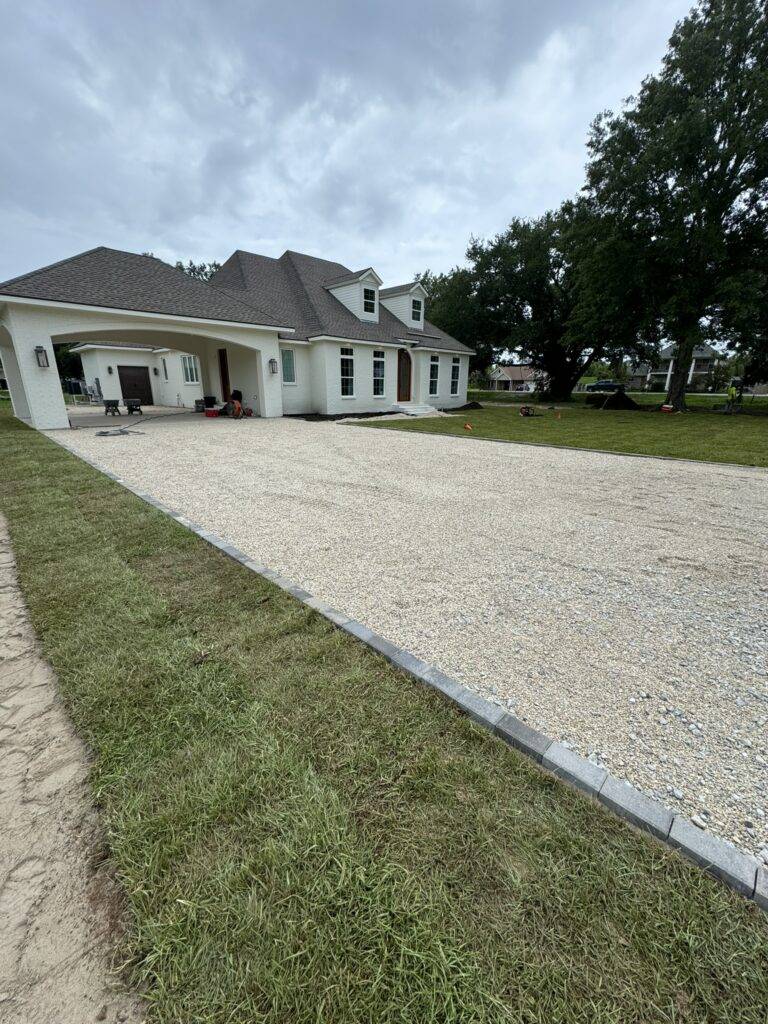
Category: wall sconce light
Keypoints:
(155, 371)
(41, 356)
(110, 370)
(273, 366)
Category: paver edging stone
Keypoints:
(736, 869)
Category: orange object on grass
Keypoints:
(468, 426)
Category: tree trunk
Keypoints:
(683, 355)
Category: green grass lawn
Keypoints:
(304, 834)
(752, 403)
(699, 434)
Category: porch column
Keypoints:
(669, 374)
(40, 393)
(12, 374)
(690, 372)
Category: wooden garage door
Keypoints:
(134, 383)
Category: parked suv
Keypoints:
(604, 385)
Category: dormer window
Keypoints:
(369, 300)
(416, 310)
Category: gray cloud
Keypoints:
(378, 133)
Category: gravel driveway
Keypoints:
(619, 604)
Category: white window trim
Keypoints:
(351, 357)
(288, 383)
(374, 311)
(382, 359)
(434, 361)
(420, 318)
(195, 367)
(455, 364)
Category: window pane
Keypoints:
(455, 369)
(416, 309)
(289, 366)
(347, 365)
(434, 370)
(369, 300)
(378, 373)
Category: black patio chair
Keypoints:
(111, 407)
(134, 405)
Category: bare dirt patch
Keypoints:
(60, 910)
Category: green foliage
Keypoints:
(68, 363)
(201, 271)
(453, 305)
(681, 178)
(519, 294)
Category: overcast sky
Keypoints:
(367, 133)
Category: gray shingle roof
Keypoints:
(295, 287)
(289, 292)
(125, 280)
(397, 289)
(700, 352)
(350, 278)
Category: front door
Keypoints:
(134, 383)
(403, 376)
(226, 394)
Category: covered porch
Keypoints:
(229, 356)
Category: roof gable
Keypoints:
(358, 275)
(403, 289)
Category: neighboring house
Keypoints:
(658, 377)
(295, 334)
(510, 378)
(156, 376)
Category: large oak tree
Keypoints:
(681, 175)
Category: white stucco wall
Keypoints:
(298, 398)
(443, 399)
(364, 399)
(174, 392)
(30, 324)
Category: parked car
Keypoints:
(604, 385)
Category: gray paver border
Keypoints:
(740, 871)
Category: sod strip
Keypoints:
(740, 871)
(305, 834)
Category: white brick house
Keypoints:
(295, 335)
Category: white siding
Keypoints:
(352, 297)
(400, 305)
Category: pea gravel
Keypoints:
(618, 604)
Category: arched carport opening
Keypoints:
(32, 331)
(223, 364)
